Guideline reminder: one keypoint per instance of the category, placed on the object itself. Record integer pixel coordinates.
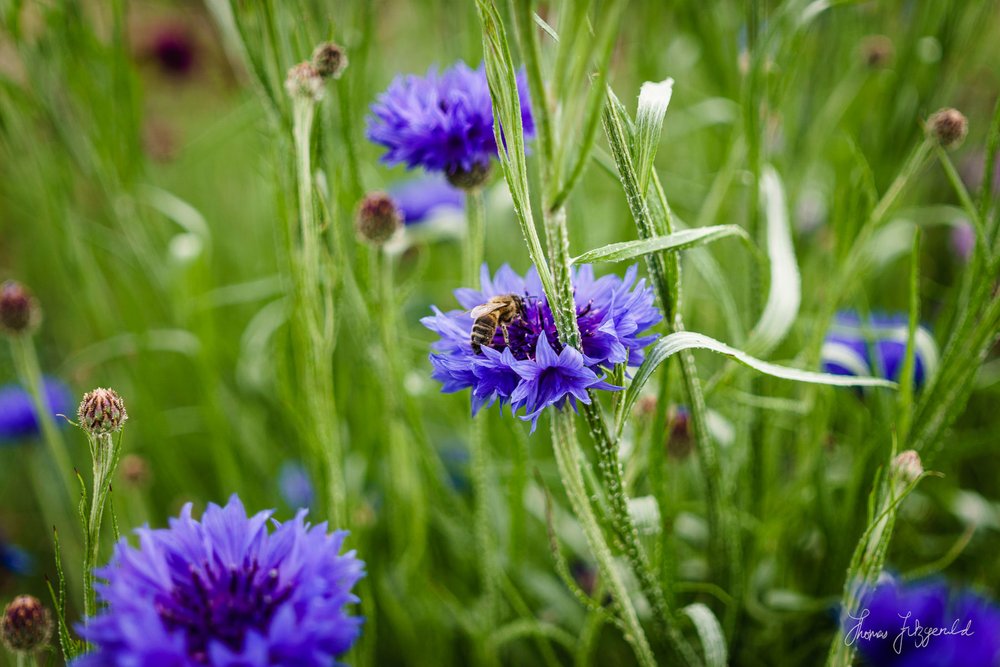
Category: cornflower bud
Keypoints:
(907, 466)
(26, 625)
(102, 411)
(304, 82)
(949, 127)
(19, 312)
(329, 60)
(378, 218)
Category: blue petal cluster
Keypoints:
(14, 559)
(17, 411)
(535, 370)
(421, 198)
(442, 121)
(925, 624)
(226, 592)
(877, 346)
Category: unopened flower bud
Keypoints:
(948, 127)
(681, 440)
(19, 312)
(329, 60)
(469, 179)
(378, 218)
(135, 471)
(102, 411)
(304, 82)
(907, 466)
(26, 625)
(876, 51)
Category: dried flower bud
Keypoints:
(907, 466)
(378, 218)
(645, 407)
(948, 127)
(329, 60)
(135, 471)
(19, 312)
(876, 51)
(469, 179)
(26, 625)
(304, 82)
(102, 411)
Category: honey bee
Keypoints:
(500, 311)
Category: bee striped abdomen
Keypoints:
(483, 330)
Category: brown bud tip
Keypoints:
(907, 466)
(681, 438)
(102, 411)
(948, 127)
(304, 82)
(26, 625)
(876, 51)
(469, 179)
(19, 312)
(378, 218)
(135, 471)
(329, 60)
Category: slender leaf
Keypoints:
(709, 630)
(653, 101)
(785, 294)
(687, 238)
(687, 340)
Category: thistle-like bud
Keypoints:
(469, 179)
(378, 218)
(26, 625)
(102, 411)
(329, 60)
(19, 312)
(304, 82)
(681, 442)
(948, 127)
(907, 466)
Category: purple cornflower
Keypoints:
(295, 485)
(442, 121)
(535, 371)
(877, 346)
(17, 411)
(925, 624)
(421, 198)
(226, 592)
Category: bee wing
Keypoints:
(485, 309)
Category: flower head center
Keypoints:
(221, 603)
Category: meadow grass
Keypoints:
(190, 238)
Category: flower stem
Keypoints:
(567, 453)
(314, 324)
(105, 452)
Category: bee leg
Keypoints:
(506, 336)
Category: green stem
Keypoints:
(28, 369)
(475, 236)
(105, 451)
(568, 456)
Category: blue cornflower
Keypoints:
(17, 412)
(535, 371)
(877, 347)
(295, 485)
(14, 559)
(226, 592)
(925, 624)
(442, 121)
(421, 198)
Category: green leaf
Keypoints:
(653, 101)
(709, 630)
(667, 346)
(687, 238)
(785, 294)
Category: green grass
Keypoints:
(207, 348)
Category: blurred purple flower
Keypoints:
(17, 411)
(878, 346)
(173, 49)
(442, 121)
(295, 485)
(226, 592)
(14, 559)
(963, 240)
(535, 370)
(418, 199)
(965, 626)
